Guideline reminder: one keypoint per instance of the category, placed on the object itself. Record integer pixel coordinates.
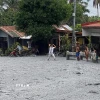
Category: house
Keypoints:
(10, 35)
(59, 32)
(63, 30)
(92, 29)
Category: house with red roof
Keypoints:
(10, 35)
(92, 29)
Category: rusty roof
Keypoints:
(62, 28)
(12, 31)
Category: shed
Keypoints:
(10, 35)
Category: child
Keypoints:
(78, 51)
(51, 50)
(95, 56)
(86, 52)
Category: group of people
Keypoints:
(19, 49)
(86, 51)
(51, 51)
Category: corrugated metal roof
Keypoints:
(65, 28)
(12, 31)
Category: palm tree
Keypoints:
(96, 3)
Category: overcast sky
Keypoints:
(93, 10)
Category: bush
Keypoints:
(10, 49)
(1, 52)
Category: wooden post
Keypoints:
(59, 41)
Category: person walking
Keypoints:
(51, 51)
(86, 52)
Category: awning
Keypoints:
(26, 37)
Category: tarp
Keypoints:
(26, 37)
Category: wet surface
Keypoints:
(35, 78)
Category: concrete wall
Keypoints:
(10, 41)
(90, 32)
(3, 34)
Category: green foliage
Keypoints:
(81, 10)
(11, 48)
(36, 17)
(1, 52)
(80, 13)
(78, 27)
(8, 17)
(8, 12)
(89, 44)
(65, 42)
(41, 32)
(93, 18)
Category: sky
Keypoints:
(93, 10)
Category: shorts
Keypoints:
(77, 54)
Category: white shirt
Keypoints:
(51, 49)
(29, 44)
(19, 47)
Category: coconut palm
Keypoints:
(96, 3)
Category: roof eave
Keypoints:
(91, 27)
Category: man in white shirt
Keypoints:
(19, 48)
(29, 44)
(51, 50)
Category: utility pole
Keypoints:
(74, 35)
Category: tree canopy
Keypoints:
(36, 17)
(96, 3)
(8, 10)
(81, 10)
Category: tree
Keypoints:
(8, 10)
(11, 3)
(81, 10)
(96, 3)
(78, 27)
(8, 17)
(36, 17)
(93, 18)
(65, 43)
(1, 6)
